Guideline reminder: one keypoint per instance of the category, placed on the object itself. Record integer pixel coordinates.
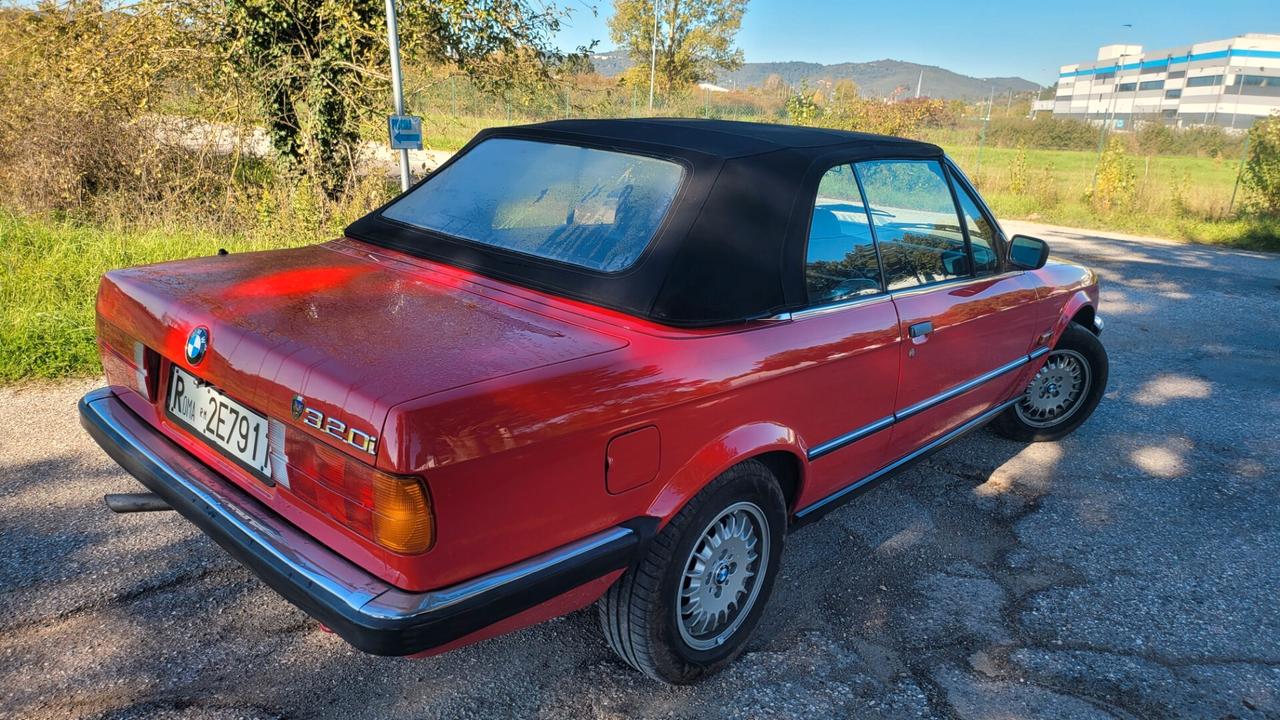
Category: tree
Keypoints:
(319, 67)
(773, 84)
(845, 91)
(695, 37)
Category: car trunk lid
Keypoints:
(350, 331)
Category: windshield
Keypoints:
(591, 208)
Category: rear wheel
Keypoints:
(689, 606)
(1063, 393)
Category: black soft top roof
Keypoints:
(721, 138)
(732, 245)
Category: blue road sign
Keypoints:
(406, 132)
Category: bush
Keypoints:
(76, 102)
(1044, 133)
(1018, 172)
(1115, 185)
(1262, 170)
(903, 118)
(1155, 138)
(802, 109)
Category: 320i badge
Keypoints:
(608, 362)
(362, 441)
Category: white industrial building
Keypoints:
(1229, 83)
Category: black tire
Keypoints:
(1077, 344)
(639, 614)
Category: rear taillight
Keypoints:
(401, 514)
(146, 363)
(128, 362)
(391, 510)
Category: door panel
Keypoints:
(847, 394)
(978, 328)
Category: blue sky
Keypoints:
(1030, 38)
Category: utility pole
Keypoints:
(397, 86)
(919, 84)
(653, 55)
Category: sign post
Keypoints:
(405, 131)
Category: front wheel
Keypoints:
(689, 606)
(1062, 394)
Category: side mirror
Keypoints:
(1028, 253)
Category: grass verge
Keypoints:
(49, 272)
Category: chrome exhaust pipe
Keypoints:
(135, 502)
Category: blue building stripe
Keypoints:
(1165, 62)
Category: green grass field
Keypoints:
(1177, 197)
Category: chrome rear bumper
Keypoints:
(366, 611)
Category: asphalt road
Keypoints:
(1131, 570)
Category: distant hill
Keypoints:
(877, 78)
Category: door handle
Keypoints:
(920, 329)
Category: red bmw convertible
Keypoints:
(607, 362)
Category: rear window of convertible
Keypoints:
(590, 208)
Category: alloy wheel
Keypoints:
(1055, 392)
(722, 576)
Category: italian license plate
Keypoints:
(224, 424)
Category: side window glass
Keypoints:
(841, 261)
(982, 237)
(915, 220)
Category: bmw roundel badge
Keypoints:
(297, 407)
(197, 345)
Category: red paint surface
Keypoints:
(505, 399)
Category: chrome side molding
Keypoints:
(812, 511)
(853, 436)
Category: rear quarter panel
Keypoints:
(516, 466)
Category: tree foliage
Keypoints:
(1262, 169)
(320, 67)
(77, 82)
(802, 106)
(695, 38)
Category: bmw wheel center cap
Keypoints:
(197, 345)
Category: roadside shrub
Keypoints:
(1155, 138)
(906, 118)
(1180, 194)
(76, 84)
(1262, 170)
(1045, 133)
(1115, 184)
(802, 109)
(1018, 172)
(1046, 188)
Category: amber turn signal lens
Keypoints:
(402, 520)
